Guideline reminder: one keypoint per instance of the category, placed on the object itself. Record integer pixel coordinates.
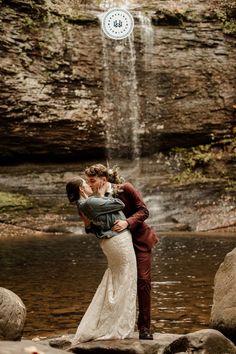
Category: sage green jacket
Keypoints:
(102, 212)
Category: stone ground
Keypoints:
(204, 342)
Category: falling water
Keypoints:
(108, 4)
(146, 31)
(121, 103)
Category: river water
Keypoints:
(56, 277)
(56, 274)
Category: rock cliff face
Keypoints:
(68, 92)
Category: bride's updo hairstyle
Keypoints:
(73, 189)
(99, 170)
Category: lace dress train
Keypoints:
(112, 312)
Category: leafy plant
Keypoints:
(225, 11)
(195, 156)
(28, 22)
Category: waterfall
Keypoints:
(121, 102)
(147, 37)
(108, 4)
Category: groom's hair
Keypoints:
(73, 189)
(97, 170)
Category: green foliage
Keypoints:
(188, 176)
(228, 139)
(28, 22)
(229, 24)
(225, 11)
(195, 161)
(230, 27)
(196, 156)
(227, 6)
(231, 187)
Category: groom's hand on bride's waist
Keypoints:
(119, 225)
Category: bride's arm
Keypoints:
(84, 218)
(89, 226)
(100, 206)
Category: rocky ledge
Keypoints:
(206, 341)
(54, 73)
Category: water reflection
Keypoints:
(56, 278)
(184, 270)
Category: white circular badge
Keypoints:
(117, 23)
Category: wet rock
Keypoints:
(27, 347)
(11, 201)
(196, 206)
(52, 82)
(109, 347)
(206, 341)
(130, 346)
(192, 207)
(223, 314)
(63, 342)
(181, 227)
(167, 18)
(12, 315)
(7, 231)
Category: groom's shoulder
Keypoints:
(125, 187)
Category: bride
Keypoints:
(112, 312)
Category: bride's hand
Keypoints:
(102, 190)
(84, 218)
(83, 194)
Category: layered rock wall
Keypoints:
(52, 81)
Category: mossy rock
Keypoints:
(14, 201)
(228, 22)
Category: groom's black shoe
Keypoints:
(145, 334)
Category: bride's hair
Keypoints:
(99, 170)
(73, 189)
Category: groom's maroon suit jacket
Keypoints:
(135, 210)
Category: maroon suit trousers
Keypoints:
(144, 288)
(144, 238)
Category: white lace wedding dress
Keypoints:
(112, 312)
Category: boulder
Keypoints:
(206, 341)
(129, 346)
(200, 342)
(223, 314)
(12, 315)
(27, 347)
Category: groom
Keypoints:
(143, 236)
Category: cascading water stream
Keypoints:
(121, 103)
(147, 37)
(121, 108)
(107, 4)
